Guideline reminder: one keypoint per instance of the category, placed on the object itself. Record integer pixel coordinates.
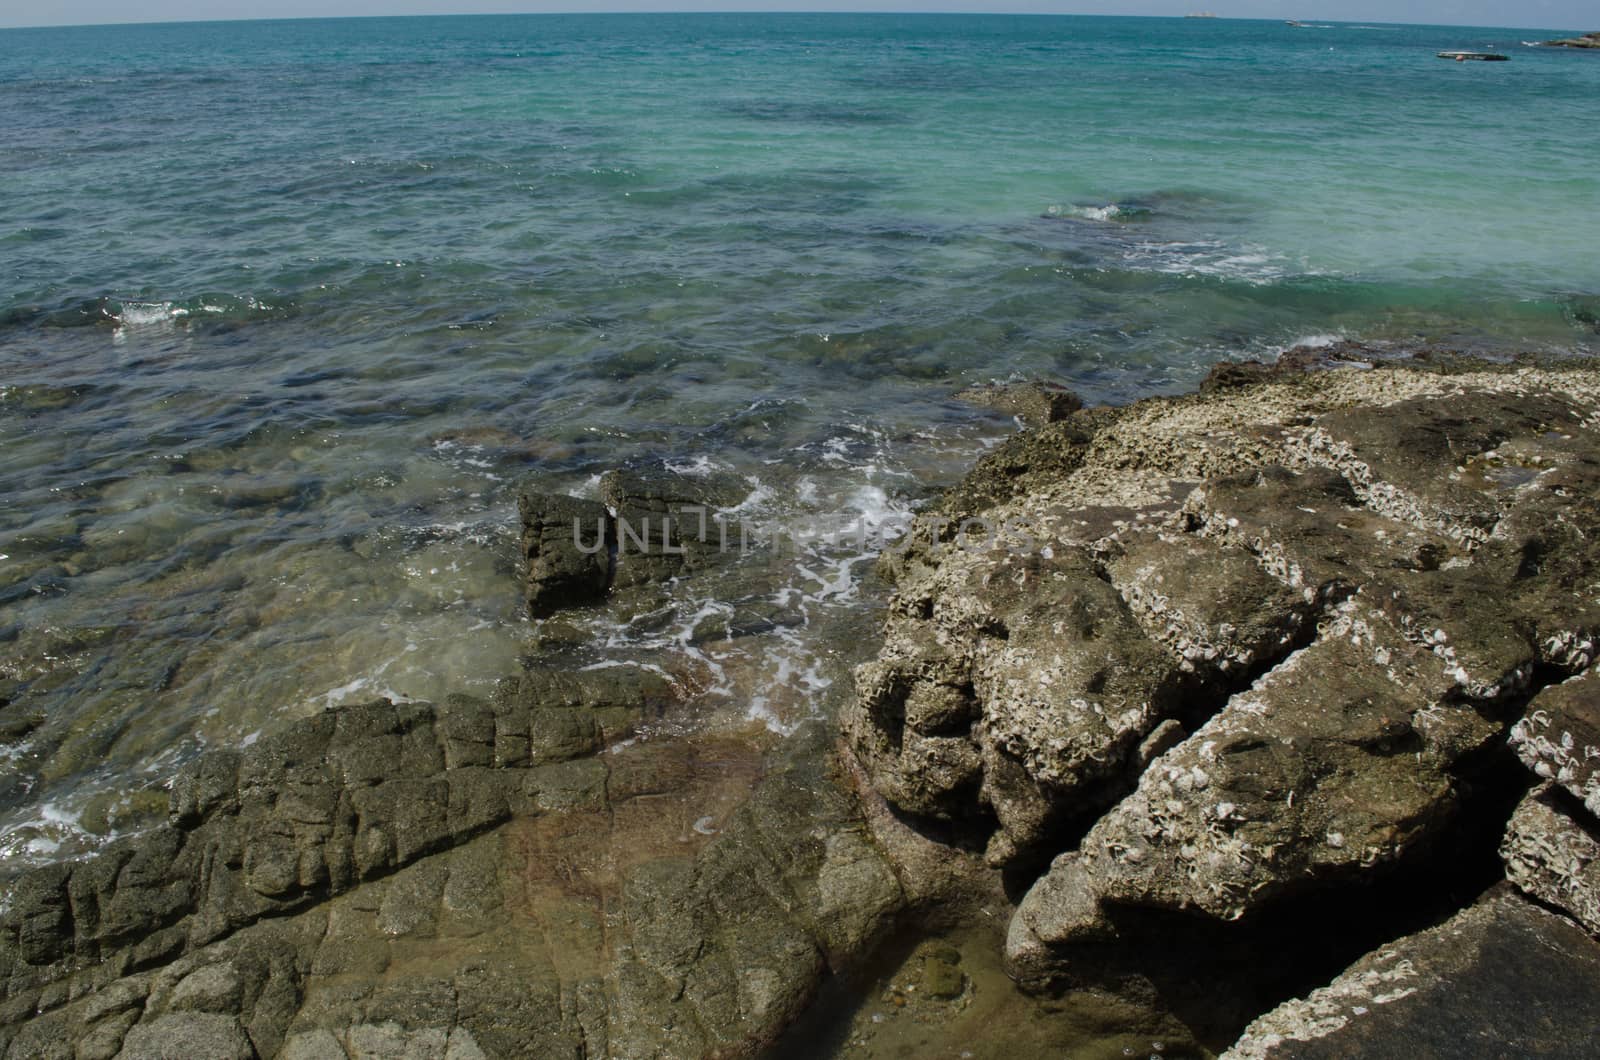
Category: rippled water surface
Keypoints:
(290, 310)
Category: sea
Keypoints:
(290, 312)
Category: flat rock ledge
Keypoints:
(502, 878)
(1221, 656)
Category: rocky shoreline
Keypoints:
(1256, 722)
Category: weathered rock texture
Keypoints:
(566, 546)
(1552, 846)
(1259, 642)
(466, 880)
(1501, 979)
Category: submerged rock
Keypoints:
(1035, 403)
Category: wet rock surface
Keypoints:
(566, 545)
(1035, 403)
(1179, 709)
(651, 525)
(448, 881)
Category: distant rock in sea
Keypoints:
(1587, 40)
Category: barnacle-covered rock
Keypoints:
(1552, 853)
(1559, 737)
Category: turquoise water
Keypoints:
(289, 310)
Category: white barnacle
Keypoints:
(1335, 840)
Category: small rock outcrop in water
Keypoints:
(566, 549)
(1035, 403)
(654, 524)
(1587, 40)
(1257, 645)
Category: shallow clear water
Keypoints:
(289, 311)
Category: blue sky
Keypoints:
(1567, 14)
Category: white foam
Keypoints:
(367, 686)
(148, 314)
(1205, 257)
(1319, 341)
(39, 838)
(1109, 212)
(760, 497)
(699, 466)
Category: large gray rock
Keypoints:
(650, 525)
(1255, 617)
(1335, 765)
(669, 524)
